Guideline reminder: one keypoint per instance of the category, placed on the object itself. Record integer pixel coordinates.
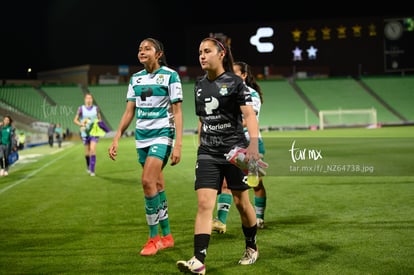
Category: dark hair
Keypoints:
(88, 93)
(9, 117)
(222, 46)
(250, 79)
(159, 47)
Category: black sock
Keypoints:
(87, 161)
(200, 246)
(250, 236)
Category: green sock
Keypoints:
(151, 212)
(164, 222)
(260, 206)
(223, 206)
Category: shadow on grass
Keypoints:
(118, 179)
(298, 219)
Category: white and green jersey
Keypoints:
(257, 104)
(153, 94)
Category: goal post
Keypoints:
(347, 118)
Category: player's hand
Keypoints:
(112, 150)
(175, 156)
(252, 153)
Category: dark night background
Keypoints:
(46, 35)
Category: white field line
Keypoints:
(32, 173)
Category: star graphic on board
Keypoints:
(296, 35)
(297, 54)
(326, 33)
(341, 32)
(356, 30)
(312, 52)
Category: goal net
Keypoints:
(348, 118)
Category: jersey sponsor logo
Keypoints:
(213, 117)
(144, 104)
(146, 92)
(219, 126)
(211, 103)
(141, 113)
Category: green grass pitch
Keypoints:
(56, 219)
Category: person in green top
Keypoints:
(7, 143)
(59, 134)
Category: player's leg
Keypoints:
(260, 203)
(153, 159)
(2, 159)
(85, 142)
(202, 232)
(208, 180)
(167, 239)
(92, 154)
(224, 202)
(6, 161)
(249, 227)
(260, 194)
(149, 178)
(240, 190)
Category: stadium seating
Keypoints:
(287, 103)
(111, 100)
(397, 91)
(343, 93)
(25, 99)
(282, 106)
(65, 100)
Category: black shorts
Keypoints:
(211, 170)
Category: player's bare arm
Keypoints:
(178, 120)
(123, 125)
(253, 129)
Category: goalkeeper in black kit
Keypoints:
(221, 101)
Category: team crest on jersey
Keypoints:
(160, 79)
(223, 90)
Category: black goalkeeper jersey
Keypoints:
(218, 104)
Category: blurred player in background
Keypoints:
(224, 202)
(59, 134)
(155, 96)
(51, 134)
(221, 100)
(8, 143)
(84, 118)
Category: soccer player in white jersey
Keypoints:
(84, 118)
(224, 201)
(222, 100)
(154, 96)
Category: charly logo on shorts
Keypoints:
(154, 149)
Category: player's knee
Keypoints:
(242, 205)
